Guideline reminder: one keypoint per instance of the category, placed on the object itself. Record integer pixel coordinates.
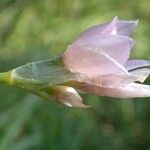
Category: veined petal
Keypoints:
(91, 61)
(134, 64)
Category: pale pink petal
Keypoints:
(120, 90)
(112, 79)
(139, 75)
(131, 90)
(126, 27)
(90, 61)
(123, 27)
(134, 64)
(93, 31)
(67, 96)
(81, 54)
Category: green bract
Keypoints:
(40, 74)
(47, 79)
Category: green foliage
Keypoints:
(34, 30)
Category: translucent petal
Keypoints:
(116, 46)
(67, 96)
(126, 27)
(141, 74)
(119, 90)
(112, 79)
(134, 64)
(123, 27)
(131, 90)
(91, 61)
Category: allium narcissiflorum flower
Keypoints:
(96, 62)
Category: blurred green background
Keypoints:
(39, 29)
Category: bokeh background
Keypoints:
(39, 29)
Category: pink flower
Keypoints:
(99, 58)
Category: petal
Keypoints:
(64, 95)
(141, 74)
(90, 61)
(123, 27)
(134, 64)
(126, 27)
(68, 96)
(130, 90)
(116, 46)
(111, 79)
(99, 29)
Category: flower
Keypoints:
(96, 62)
(99, 57)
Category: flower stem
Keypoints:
(6, 78)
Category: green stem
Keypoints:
(6, 78)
